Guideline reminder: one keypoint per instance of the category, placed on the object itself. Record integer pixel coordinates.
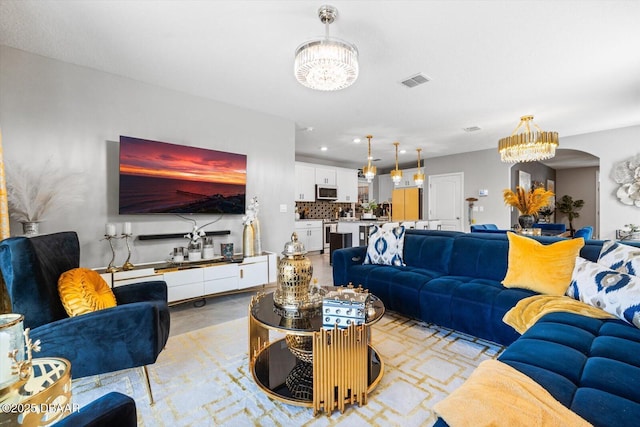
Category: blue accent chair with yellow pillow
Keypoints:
(131, 334)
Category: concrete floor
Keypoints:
(190, 316)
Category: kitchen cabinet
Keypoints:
(325, 176)
(310, 234)
(305, 183)
(406, 204)
(407, 178)
(347, 182)
(385, 188)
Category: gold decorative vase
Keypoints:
(248, 241)
(294, 275)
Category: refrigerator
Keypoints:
(406, 204)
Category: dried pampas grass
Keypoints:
(37, 192)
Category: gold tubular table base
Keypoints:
(339, 368)
(341, 359)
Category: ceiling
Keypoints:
(574, 65)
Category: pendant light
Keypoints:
(369, 171)
(528, 146)
(418, 177)
(328, 63)
(396, 174)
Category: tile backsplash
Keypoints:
(321, 209)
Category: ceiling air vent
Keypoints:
(414, 81)
(471, 129)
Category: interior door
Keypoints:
(445, 200)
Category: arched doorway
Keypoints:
(578, 175)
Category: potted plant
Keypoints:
(569, 207)
(528, 203)
(368, 208)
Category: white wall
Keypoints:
(579, 183)
(73, 116)
(482, 170)
(611, 146)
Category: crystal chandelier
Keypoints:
(329, 63)
(369, 171)
(418, 177)
(396, 174)
(528, 146)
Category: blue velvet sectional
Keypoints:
(453, 279)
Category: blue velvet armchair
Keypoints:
(130, 335)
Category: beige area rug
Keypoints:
(202, 379)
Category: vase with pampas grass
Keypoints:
(37, 193)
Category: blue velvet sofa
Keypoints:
(453, 279)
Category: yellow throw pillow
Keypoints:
(545, 269)
(83, 291)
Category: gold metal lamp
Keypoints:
(396, 174)
(528, 145)
(418, 177)
(369, 171)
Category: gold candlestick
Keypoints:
(127, 264)
(111, 268)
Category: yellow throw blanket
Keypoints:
(498, 395)
(529, 310)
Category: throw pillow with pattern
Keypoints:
(620, 257)
(614, 292)
(385, 246)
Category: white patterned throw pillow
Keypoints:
(614, 292)
(620, 257)
(385, 246)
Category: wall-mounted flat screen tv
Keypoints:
(159, 177)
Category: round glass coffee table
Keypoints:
(306, 365)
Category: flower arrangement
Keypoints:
(36, 192)
(527, 202)
(251, 214)
(195, 234)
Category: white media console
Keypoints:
(192, 281)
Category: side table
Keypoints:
(44, 399)
(324, 369)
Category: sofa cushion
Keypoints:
(386, 247)
(589, 365)
(397, 287)
(429, 249)
(470, 305)
(613, 292)
(479, 255)
(545, 269)
(84, 291)
(620, 257)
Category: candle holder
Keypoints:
(111, 268)
(127, 264)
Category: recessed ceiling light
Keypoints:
(403, 151)
(309, 129)
(323, 148)
(357, 140)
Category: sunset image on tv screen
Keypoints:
(159, 177)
